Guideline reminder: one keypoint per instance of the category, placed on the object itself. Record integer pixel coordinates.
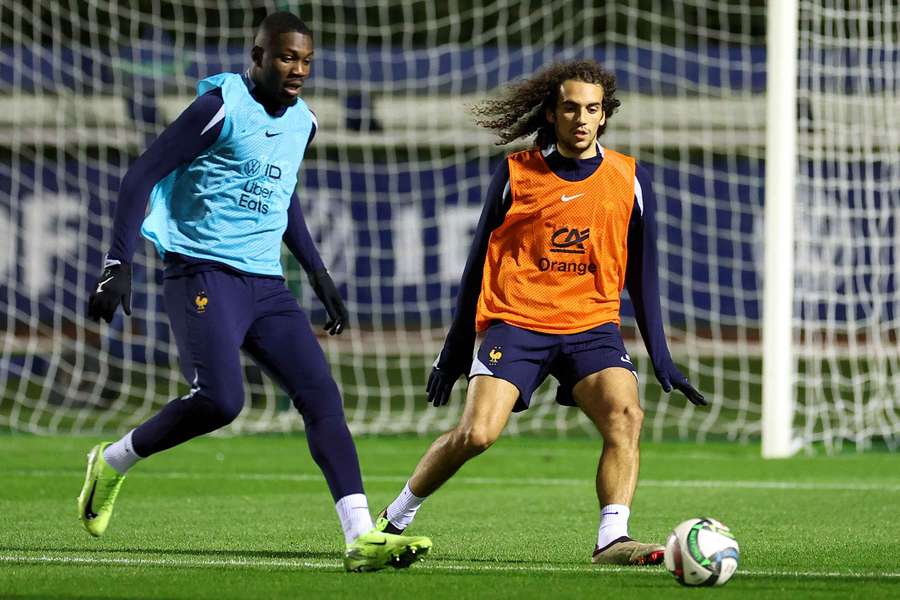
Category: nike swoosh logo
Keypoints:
(623, 359)
(89, 507)
(273, 134)
(565, 198)
(102, 283)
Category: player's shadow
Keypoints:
(258, 554)
(497, 561)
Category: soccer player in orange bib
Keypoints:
(565, 226)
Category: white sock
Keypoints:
(353, 511)
(121, 455)
(613, 523)
(403, 509)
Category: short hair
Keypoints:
(278, 23)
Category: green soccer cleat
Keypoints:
(383, 525)
(101, 486)
(375, 550)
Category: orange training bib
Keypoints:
(557, 262)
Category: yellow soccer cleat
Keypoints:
(98, 495)
(376, 550)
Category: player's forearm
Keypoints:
(644, 294)
(462, 329)
(298, 239)
(130, 207)
(134, 193)
(492, 215)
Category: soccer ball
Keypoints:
(702, 552)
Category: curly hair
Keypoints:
(521, 109)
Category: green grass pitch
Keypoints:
(251, 517)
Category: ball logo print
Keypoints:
(702, 552)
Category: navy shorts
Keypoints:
(525, 358)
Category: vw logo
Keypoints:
(251, 167)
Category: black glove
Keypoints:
(444, 374)
(327, 292)
(113, 288)
(669, 376)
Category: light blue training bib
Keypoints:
(230, 203)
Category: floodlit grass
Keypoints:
(251, 517)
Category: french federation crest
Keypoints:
(200, 302)
(495, 355)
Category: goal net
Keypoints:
(847, 223)
(392, 189)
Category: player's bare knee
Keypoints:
(622, 424)
(630, 417)
(635, 415)
(474, 440)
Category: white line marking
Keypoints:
(848, 486)
(429, 565)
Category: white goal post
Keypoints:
(778, 278)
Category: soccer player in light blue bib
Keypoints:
(221, 184)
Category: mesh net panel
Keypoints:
(848, 197)
(392, 189)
